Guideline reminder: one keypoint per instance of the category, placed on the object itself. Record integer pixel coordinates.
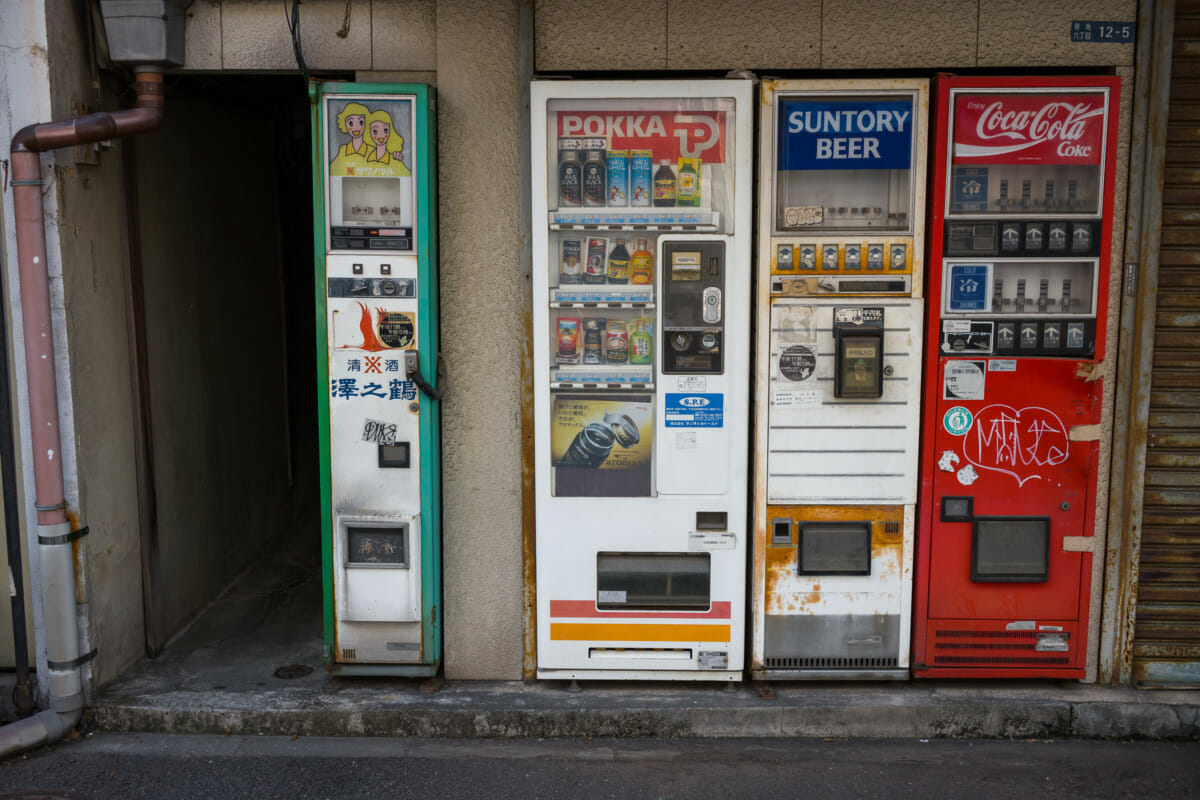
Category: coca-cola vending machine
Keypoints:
(1020, 237)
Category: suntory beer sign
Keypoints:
(1028, 128)
(674, 135)
(823, 134)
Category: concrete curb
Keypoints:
(537, 711)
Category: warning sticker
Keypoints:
(795, 399)
(694, 410)
(963, 380)
(797, 362)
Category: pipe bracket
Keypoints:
(62, 705)
(25, 182)
(65, 538)
(73, 663)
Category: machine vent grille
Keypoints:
(1017, 644)
(828, 663)
(891, 528)
(1055, 660)
(348, 653)
(1030, 635)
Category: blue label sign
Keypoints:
(968, 287)
(969, 190)
(695, 410)
(845, 134)
(1084, 30)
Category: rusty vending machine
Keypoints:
(641, 331)
(1020, 229)
(838, 374)
(377, 341)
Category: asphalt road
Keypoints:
(131, 766)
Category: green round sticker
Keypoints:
(957, 421)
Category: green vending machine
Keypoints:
(377, 354)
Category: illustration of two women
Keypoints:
(373, 143)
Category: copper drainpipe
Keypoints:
(58, 567)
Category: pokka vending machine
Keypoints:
(1020, 229)
(838, 374)
(641, 326)
(377, 345)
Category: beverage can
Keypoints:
(595, 184)
(568, 340)
(618, 177)
(641, 181)
(593, 340)
(570, 269)
(595, 268)
(570, 173)
(616, 342)
(640, 342)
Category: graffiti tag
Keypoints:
(1016, 442)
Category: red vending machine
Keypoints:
(1020, 241)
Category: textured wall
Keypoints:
(769, 35)
(480, 235)
(253, 35)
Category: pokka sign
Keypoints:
(674, 135)
(1029, 128)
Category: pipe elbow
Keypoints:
(25, 140)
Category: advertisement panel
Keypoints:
(1053, 128)
(845, 134)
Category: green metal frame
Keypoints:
(425, 179)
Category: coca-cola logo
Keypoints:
(1066, 122)
(1051, 129)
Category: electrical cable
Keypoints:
(292, 17)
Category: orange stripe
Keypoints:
(607, 632)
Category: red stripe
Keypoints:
(721, 609)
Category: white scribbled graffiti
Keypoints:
(1020, 443)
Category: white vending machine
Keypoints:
(641, 326)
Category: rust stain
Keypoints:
(528, 496)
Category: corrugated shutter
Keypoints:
(1167, 634)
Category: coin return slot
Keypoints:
(781, 531)
(652, 581)
(712, 521)
(1011, 549)
(835, 548)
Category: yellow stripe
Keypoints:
(610, 632)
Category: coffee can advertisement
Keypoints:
(601, 447)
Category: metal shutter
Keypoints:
(1166, 646)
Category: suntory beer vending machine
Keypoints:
(377, 345)
(837, 376)
(641, 331)
(1020, 241)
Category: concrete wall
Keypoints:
(214, 320)
(89, 233)
(765, 35)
